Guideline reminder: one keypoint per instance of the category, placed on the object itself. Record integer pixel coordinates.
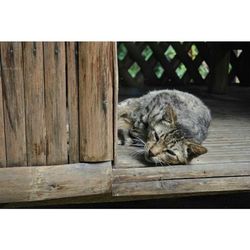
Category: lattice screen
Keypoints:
(161, 63)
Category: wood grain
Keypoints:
(182, 186)
(2, 132)
(181, 172)
(34, 100)
(96, 101)
(115, 100)
(73, 99)
(219, 64)
(13, 102)
(55, 102)
(54, 182)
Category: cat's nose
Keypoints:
(150, 153)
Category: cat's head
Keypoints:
(166, 144)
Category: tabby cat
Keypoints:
(170, 125)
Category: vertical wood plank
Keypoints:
(13, 102)
(115, 100)
(73, 89)
(96, 101)
(219, 63)
(2, 132)
(34, 101)
(55, 102)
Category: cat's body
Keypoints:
(172, 125)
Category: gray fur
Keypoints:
(148, 113)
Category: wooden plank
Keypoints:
(96, 101)
(216, 154)
(182, 186)
(180, 172)
(219, 64)
(115, 100)
(73, 99)
(34, 100)
(221, 159)
(54, 182)
(13, 103)
(55, 102)
(2, 132)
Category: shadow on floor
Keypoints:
(216, 201)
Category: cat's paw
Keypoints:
(127, 142)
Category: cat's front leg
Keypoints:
(124, 126)
(124, 137)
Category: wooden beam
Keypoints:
(115, 101)
(96, 67)
(34, 103)
(219, 63)
(2, 132)
(13, 103)
(55, 102)
(180, 172)
(73, 100)
(182, 186)
(21, 184)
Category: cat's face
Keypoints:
(166, 145)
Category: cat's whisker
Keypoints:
(161, 163)
(139, 139)
(137, 153)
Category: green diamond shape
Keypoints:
(134, 69)
(122, 52)
(147, 53)
(181, 70)
(203, 70)
(170, 53)
(193, 52)
(159, 70)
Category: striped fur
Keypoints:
(169, 124)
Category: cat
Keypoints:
(170, 125)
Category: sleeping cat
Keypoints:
(170, 125)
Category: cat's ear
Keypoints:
(170, 115)
(195, 149)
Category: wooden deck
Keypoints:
(226, 166)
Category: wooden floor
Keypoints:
(226, 166)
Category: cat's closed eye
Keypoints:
(170, 152)
(156, 136)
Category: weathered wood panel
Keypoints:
(13, 102)
(219, 64)
(55, 102)
(181, 172)
(96, 101)
(2, 133)
(182, 186)
(115, 101)
(34, 100)
(54, 182)
(73, 92)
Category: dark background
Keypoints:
(236, 200)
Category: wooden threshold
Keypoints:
(24, 184)
(181, 180)
(92, 183)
